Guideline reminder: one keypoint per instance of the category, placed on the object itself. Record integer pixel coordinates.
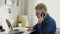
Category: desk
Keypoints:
(20, 28)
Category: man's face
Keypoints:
(38, 12)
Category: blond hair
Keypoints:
(41, 6)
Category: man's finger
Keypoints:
(42, 16)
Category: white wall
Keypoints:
(31, 12)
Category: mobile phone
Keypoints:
(43, 14)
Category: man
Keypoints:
(46, 24)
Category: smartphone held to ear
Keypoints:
(43, 14)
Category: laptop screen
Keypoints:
(9, 24)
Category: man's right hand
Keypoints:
(29, 29)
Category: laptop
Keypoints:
(13, 31)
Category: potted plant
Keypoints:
(19, 21)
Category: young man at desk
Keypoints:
(46, 24)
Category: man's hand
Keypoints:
(41, 19)
(29, 29)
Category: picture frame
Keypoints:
(10, 2)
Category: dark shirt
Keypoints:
(48, 26)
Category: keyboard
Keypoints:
(16, 31)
